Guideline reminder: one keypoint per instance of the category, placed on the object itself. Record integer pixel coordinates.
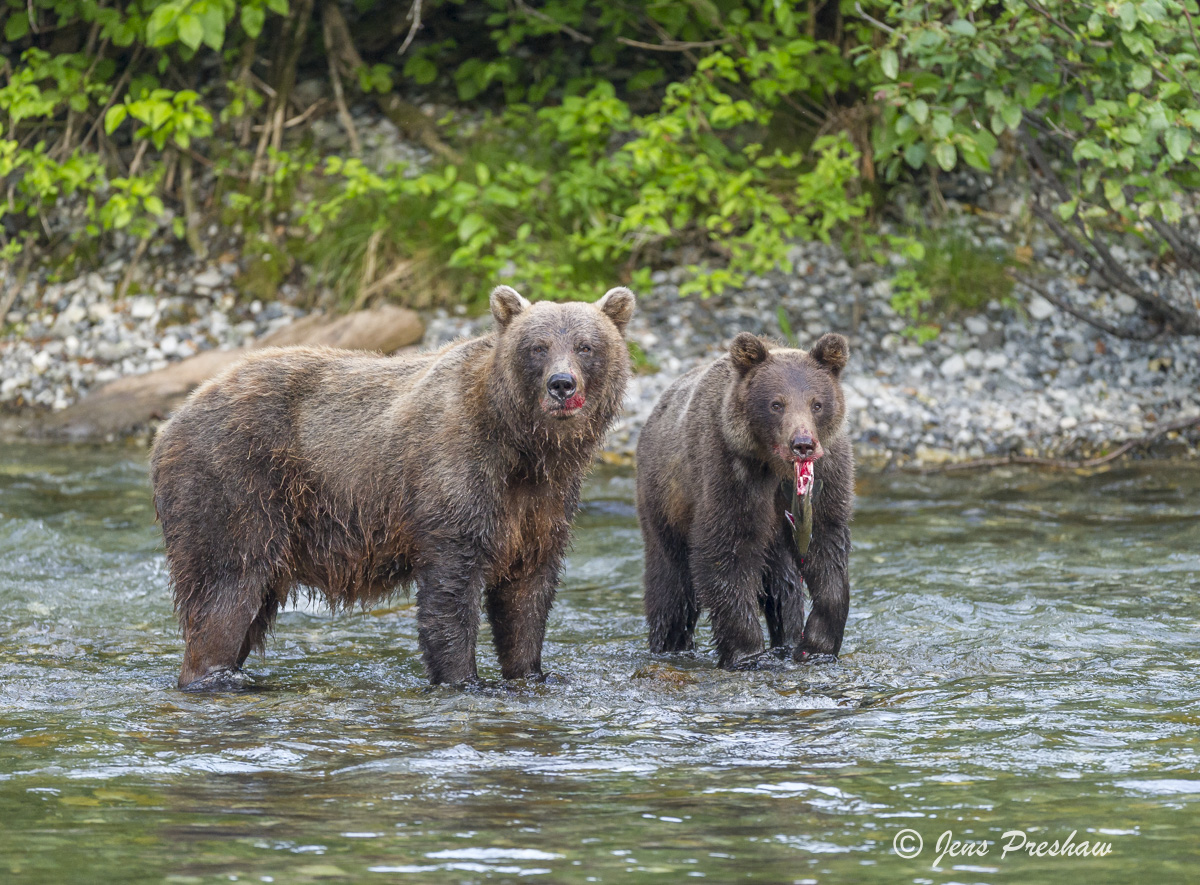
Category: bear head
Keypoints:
(785, 406)
(566, 364)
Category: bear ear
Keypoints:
(617, 305)
(831, 351)
(747, 351)
(506, 303)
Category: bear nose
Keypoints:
(803, 445)
(561, 385)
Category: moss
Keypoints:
(961, 275)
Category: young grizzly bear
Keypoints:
(719, 466)
(458, 471)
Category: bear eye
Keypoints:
(777, 406)
(817, 406)
(584, 349)
(538, 350)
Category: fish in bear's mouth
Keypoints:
(804, 477)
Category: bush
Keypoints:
(1102, 101)
(689, 127)
(613, 137)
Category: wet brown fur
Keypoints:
(355, 475)
(712, 461)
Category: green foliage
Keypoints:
(615, 137)
(41, 161)
(1110, 90)
(952, 275)
(555, 197)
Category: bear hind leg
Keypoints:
(219, 637)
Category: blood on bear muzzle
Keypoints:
(567, 407)
(563, 397)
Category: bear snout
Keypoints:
(563, 397)
(561, 386)
(804, 446)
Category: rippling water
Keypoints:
(1021, 656)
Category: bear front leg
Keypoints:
(669, 597)
(448, 617)
(517, 611)
(826, 572)
(727, 574)
(220, 628)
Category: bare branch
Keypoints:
(1186, 252)
(414, 13)
(335, 76)
(672, 46)
(1076, 312)
(541, 16)
(876, 22)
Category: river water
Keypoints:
(1021, 659)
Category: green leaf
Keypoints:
(1127, 13)
(1087, 150)
(945, 155)
(1011, 115)
(890, 63)
(469, 226)
(919, 110)
(114, 118)
(17, 26)
(1141, 76)
(252, 20)
(1114, 193)
(212, 20)
(1178, 141)
(962, 27)
(914, 155)
(158, 28)
(279, 7)
(191, 31)
(421, 69)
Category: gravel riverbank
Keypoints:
(1006, 380)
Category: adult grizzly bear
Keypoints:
(718, 462)
(458, 471)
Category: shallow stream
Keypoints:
(1022, 656)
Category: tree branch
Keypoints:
(414, 12)
(672, 46)
(1186, 252)
(335, 76)
(541, 16)
(1079, 314)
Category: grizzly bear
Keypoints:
(722, 465)
(354, 475)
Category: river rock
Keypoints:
(952, 366)
(1040, 308)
